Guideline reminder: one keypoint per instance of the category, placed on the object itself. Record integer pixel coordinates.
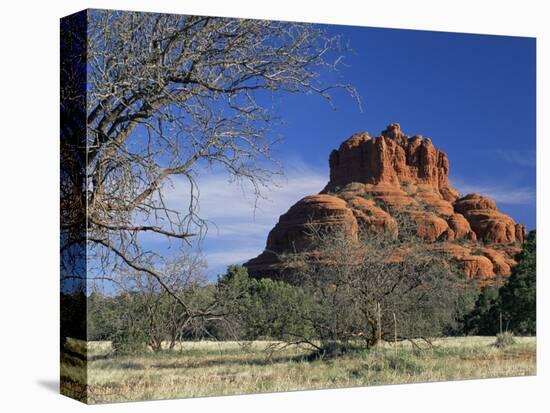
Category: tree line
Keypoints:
(343, 293)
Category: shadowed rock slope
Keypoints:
(374, 179)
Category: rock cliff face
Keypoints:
(373, 179)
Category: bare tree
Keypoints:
(361, 283)
(156, 314)
(170, 95)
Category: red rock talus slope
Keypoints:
(373, 179)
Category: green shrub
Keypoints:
(354, 187)
(264, 308)
(404, 362)
(408, 188)
(129, 341)
(505, 339)
(367, 195)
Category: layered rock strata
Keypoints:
(373, 180)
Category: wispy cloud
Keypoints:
(502, 194)
(238, 222)
(521, 158)
(221, 259)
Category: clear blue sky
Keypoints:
(473, 95)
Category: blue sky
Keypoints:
(473, 95)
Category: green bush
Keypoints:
(129, 341)
(354, 187)
(505, 339)
(263, 308)
(483, 319)
(404, 362)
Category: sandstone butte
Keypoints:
(372, 179)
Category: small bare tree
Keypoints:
(163, 320)
(140, 310)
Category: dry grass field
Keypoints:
(224, 368)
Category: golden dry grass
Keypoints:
(224, 368)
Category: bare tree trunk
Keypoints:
(379, 315)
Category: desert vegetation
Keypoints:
(305, 334)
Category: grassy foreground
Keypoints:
(224, 368)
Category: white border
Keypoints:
(29, 204)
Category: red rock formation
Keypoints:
(290, 234)
(521, 233)
(392, 158)
(476, 262)
(374, 179)
(461, 227)
(501, 263)
(487, 222)
(429, 226)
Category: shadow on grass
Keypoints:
(98, 357)
(200, 363)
